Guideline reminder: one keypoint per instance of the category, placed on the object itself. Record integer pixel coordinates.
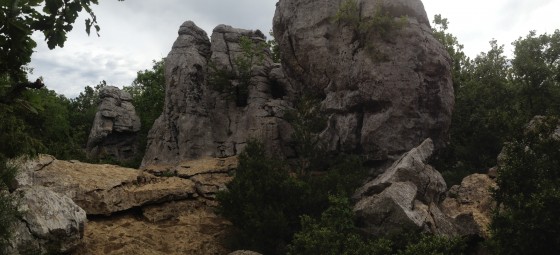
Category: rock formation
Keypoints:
(387, 87)
(408, 197)
(473, 196)
(218, 95)
(49, 222)
(113, 133)
(162, 210)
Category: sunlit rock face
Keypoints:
(385, 91)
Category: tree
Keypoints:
(19, 19)
(263, 202)
(460, 62)
(536, 73)
(528, 193)
(148, 97)
(335, 233)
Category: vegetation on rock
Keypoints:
(236, 82)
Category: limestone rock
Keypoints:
(412, 167)
(210, 175)
(113, 133)
(472, 197)
(385, 93)
(105, 189)
(174, 228)
(50, 223)
(407, 197)
(207, 111)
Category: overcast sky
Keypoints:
(135, 32)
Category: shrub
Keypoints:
(263, 202)
(528, 194)
(334, 233)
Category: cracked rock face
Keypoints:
(472, 197)
(114, 129)
(385, 93)
(200, 119)
(408, 196)
(50, 222)
(158, 210)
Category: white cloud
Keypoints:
(135, 32)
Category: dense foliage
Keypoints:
(495, 97)
(528, 193)
(148, 95)
(31, 121)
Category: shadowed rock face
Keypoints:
(385, 88)
(386, 93)
(202, 120)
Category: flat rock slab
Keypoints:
(106, 189)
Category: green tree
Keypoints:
(148, 96)
(460, 62)
(528, 193)
(536, 73)
(335, 233)
(263, 202)
(19, 19)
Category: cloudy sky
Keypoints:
(135, 32)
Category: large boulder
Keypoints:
(387, 86)
(407, 197)
(50, 222)
(218, 96)
(115, 127)
(472, 197)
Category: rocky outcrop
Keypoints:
(50, 222)
(472, 197)
(407, 197)
(106, 189)
(114, 129)
(218, 96)
(173, 228)
(163, 210)
(387, 87)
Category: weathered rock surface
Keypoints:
(385, 93)
(50, 222)
(114, 129)
(202, 120)
(472, 197)
(183, 227)
(105, 189)
(408, 196)
(130, 211)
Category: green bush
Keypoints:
(263, 202)
(528, 194)
(334, 233)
